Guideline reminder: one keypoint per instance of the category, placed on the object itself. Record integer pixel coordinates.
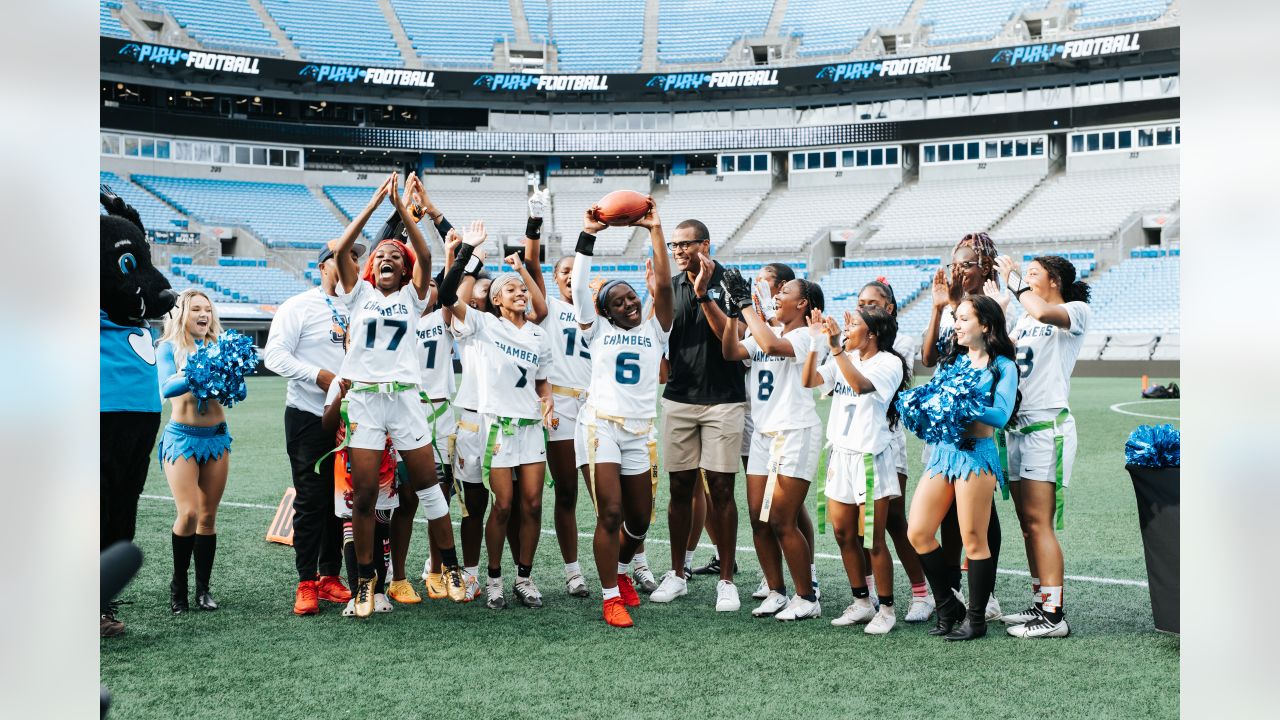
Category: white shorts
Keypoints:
(1033, 456)
(526, 445)
(614, 444)
(566, 412)
(377, 415)
(798, 451)
(468, 447)
(898, 449)
(748, 436)
(444, 431)
(847, 476)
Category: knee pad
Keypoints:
(433, 502)
(632, 535)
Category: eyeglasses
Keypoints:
(966, 265)
(683, 244)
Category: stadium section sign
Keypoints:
(181, 64)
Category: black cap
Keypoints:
(326, 253)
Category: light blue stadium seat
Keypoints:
(219, 24)
(1101, 13)
(352, 32)
(837, 26)
(702, 30)
(598, 37)
(966, 21)
(109, 25)
(452, 34)
(154, 213)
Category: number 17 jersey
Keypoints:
(384, 344)
(624, 368)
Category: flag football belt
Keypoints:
(506, 426)
(457, 477)
(632, 426)
(868, 501)
(346, 434)
(568, 391)
(1059, 492)
(450, 442)
(394, 386)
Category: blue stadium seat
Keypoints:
(692, 31)
(353, 32)
(219, 24)
(837, 26)
(154, 213)
(967, 21)
(452, 34)
(598, 37)
(109, 25)
(1101, 13)
(239, 280)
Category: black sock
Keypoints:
(993, 538)
(495, 572)
(811, 597)
(783, 589)
(939, 575)
(523, 570)
(182, 548)
(982, 578)
(860, 592)
(449, 557)
(206, 546)
(368, 571)
(353, 567)
(886, 600)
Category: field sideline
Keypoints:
(254, 659)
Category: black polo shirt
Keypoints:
(699, 373)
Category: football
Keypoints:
(622, 207)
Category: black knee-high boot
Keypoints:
(982, 578)
(993, 537)
(206, 546)
(950, 610)
(182, 547)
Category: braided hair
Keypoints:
(1061, 270)
(984, 247)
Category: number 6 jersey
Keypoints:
(384, 346)
(624, 368)
(513, 358)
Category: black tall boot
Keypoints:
(182, 547)
(949, 609)
(982, 579)
(206, 546)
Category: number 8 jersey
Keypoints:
(384, 346)
(624, 368)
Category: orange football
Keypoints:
(622, 207)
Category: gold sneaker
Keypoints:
(364, 596)
(402, 592)
(435, 585)
(456, 585)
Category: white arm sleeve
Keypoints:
(582, 304)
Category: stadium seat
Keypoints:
(795, 215)
(697, 31)
(154, 213)
(450, 34)
(354, 32)
(219, 24)
(577, 29)
(722, 211)
(968, 21)
(108, 24)
(827, 27)
(1139, 295)
(1091, 205)
(1101, 13)
(937, 213)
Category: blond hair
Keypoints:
(175, 326)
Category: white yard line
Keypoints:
(658, 541)
(1117, 406)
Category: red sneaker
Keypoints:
(304, 601)
(332, 590)
(627, 591)
(616, 614)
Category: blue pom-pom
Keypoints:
(1154, 446)
(216, 370)
(940, 410)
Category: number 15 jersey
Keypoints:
(384, 346)
(624, 368)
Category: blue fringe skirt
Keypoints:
(187, 441)
(957, 461)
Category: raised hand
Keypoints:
(650, 219)
(393, 192)
(702, 280)
(955, 286)
(650, 281)
(515, 261)
(475, 235)
(992, 290)
(539, 201)
(940, 293)
(737, 288)
(833, 331)
(380, 193)
(590, 223)
(817, 323)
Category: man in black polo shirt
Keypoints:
(703, 410)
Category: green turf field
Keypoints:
(254, 659)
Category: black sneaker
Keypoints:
(711, 568)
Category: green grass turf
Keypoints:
(254, 659)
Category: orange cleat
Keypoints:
(615, 613)
(627, 591)
(304, 601)
(332, 590)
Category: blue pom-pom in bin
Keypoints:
(1153, 459)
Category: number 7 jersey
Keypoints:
(624, 368)
(384, 345)
(513, 359)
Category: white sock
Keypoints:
(1052, 595)
(640, 559)
(714, 553)
(813, 573)
(609, 593)
(473, 571)
(871, 585)
(622, 568)
(688, 558)
(571, 569)
(1036, 597)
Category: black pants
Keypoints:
(128, 438)
(317, 531)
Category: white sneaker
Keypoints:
(381, 604)
(1040, 627)
(1022, 616)
(773, 603)
(350, 609)
(920, 610)
(576, 585)
(673, 585)
(799, 609)
(644, 578)
(494, 597)
(762, 591)
(883, 622)
(860, 611)
(727, 597)
(993, 609)
(470, 587)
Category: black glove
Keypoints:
(737, 289)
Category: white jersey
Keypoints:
(947, 323)
(858, 422)
(469, 355)
(512, 358)
(779, 399)
(383, 347)
(572, 366)
(625, 367)
(1047, 355)
(435, 356)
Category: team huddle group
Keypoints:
(562, 388)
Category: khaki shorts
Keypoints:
(702, 436)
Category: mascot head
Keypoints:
(132, 289)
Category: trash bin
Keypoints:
(1158, 493)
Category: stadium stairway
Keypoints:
(338, 215)
(649, 55)
(411, 58)
(290, 50)
(519, 20)
(778, 189)
(1056, 170)
(775, 20)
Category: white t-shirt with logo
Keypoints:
(1046, 355)
(572, 366)
(624, 368)
(435, 351)
(383, 345)
(512, 358)
(779, 399)
(858, 422)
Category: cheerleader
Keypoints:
(1042, 438)
(194, 449)
(514, 400)
(966, 472)
(787, 443)
(972, 266)
(614, 441)
(864, 376)
(385, 300)
(879, 294)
